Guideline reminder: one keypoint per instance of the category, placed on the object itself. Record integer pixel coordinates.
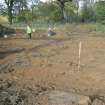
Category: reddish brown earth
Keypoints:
(52, 62)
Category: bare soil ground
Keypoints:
(51, 63)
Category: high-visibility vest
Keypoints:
(29, 30)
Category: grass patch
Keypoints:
(100, 27)
(67, 27)
(3, 19)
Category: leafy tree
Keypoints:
(50, 11)
(70, 12)
(100, 11)
(19, 9)
(24, 16)
(10, 4)
(34, 3)
(61, 4)
(87, 14)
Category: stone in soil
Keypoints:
(98, 102)
(57, 97)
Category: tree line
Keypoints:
(52, 11)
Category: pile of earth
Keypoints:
(6, 30)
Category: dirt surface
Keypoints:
(51, 63)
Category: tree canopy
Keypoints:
(56, 11)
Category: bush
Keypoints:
(87, 14)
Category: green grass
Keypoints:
(100, 27)
(42, 26)
(3, 19)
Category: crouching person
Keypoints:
(51, 32)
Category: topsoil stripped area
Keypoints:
(32, 68)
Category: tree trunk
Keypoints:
(10, 15)
(62, 6)
(62, 11)
(32, 14)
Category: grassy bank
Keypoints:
(100, 27)
(43, 26)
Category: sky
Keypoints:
(1, 1)
(43, 0)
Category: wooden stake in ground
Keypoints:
(79, 57)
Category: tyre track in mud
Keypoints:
(21, 56)
(50, 41)
(20, 50)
